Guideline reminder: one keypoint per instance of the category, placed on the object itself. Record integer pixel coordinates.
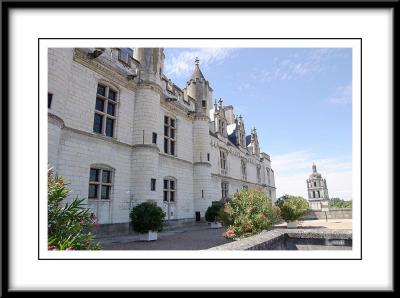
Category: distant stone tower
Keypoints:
(317, 190)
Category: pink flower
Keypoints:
(229, 233)
(69, 248)
(52, 247)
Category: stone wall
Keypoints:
(284, 239)
(340, 213)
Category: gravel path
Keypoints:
(170, 240)
(200, 236)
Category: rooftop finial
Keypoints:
(314, 168)
(196, 61)
(220, 103)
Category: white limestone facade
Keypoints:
(121, 133)
(317, 190)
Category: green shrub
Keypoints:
(147, 216)
(248, 213)
(70, 225)
(213, 212)
(292, 208)
(338, 203)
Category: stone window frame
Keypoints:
(105, 112)
(99, 183)
(258, 173)
(154, 138)
(153, 184)
(223, 161)
(222, 127)
(167, 191)
(224, 189)
(168, 127)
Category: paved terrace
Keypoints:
(200, 236)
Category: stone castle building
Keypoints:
(122, 133)
(317, 190)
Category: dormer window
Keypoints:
(258, 174)
(124, 55)
(170, 86)
(221, 127)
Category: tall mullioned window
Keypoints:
(221, 127)
(225, 190)
(100, 183)
(169, 190)
(105, 111)
(258, 174)
(223, 161)
(169, 135)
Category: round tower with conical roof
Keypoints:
(145, 154)
(317, 190)
(199, 89)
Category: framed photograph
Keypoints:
(206, 143)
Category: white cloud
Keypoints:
(292, 170)
(297, 66)
(343, 95)
(182, 65)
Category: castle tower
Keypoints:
(317, 190)
(199, 89)
(146, 122)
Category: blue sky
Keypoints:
(299, 99)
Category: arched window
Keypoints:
(101, 179)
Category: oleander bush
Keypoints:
(147, 216)
(248, 213)
(69, 225)
(292, 208)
